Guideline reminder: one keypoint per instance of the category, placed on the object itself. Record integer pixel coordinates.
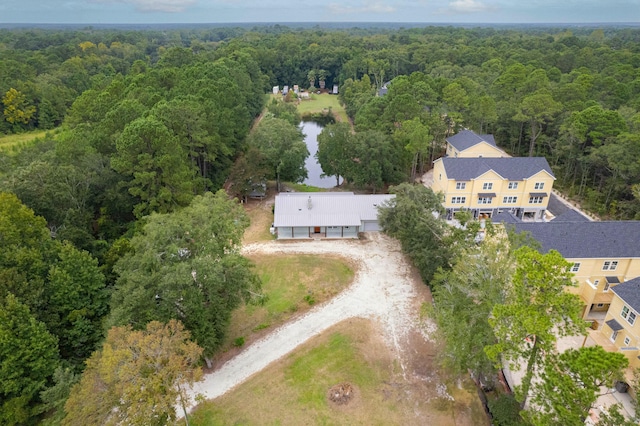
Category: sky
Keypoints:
(226, 11)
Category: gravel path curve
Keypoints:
(382, 290)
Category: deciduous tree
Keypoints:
(137, 378)
(187, 266)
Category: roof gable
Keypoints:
(629, 292)
(466, 139)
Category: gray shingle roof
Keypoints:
(595, 240)
(629, 292)
(466, 139)
(571, 216)
(327, 209)
(511, 168)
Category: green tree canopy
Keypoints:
(283, 149)
(186, 266)
(536, 311)
(29, 355)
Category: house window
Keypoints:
(535, 200)
(609, 265)
(538, 185)
(606, 286)
(487, 185)
(485, 200)
(575, 267)
(461, 185)
(513, 185)
(627, 341)
(458, 200)
(509, 200)
(628, 314)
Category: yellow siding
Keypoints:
(482, 149)
(629, 331)
(498, 185)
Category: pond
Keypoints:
(312, 130)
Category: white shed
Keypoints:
(326, 214)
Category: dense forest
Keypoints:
(145, 126)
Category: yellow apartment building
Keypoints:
(489, 185)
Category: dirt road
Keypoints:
(383, 290)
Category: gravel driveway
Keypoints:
(383, 290)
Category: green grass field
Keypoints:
(13, 143)
(294, 391)
(291, 284)
(322, 103)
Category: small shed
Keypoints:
(301, 215)
(285, 90)
(296, 89)
(335, 89)
(276, 90)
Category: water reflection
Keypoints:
(311, 131)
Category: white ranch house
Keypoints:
(301, 215)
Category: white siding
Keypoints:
(350, 232)
(334, 231)
(370, 225)
(301, 232)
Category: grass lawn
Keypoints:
(321, 103)
(17, 141)
(291, 284)
(294, 390)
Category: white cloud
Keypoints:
(366, 7)
(467, 6)
(169, 6)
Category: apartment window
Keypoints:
(600, 305)
(513, 185)
(461, 185)
(627, 341)
(609, 265)
(539, 185)
(606, 286)
(535, 200)
(458, 200)
(485, 200)
(575, 267)
(509, 200)
(487, 185)
(628, 314)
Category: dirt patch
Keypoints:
(341, 394)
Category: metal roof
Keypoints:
(511, 168)
(538, 194)
(326, 208)
(466, 139)
(629, 292)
